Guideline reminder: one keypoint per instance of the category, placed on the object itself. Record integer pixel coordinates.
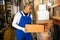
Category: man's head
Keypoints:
(27, 8)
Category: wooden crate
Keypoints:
(34, 28)
(41, 26)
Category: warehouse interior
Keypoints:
(42, 21)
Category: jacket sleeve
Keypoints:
(16, 20)
(31, 18)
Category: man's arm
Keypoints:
(16, 21)
(31, 18)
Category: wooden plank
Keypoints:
(57, 18)
(55, 5)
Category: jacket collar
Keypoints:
(24, 14)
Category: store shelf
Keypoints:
(57, 18)
(55, 5)
(9, 9)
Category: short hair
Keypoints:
(27, 4)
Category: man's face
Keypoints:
(29, 8)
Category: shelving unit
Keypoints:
(55, 13)
(8, 9)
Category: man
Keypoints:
(20, 19)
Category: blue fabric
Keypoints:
(20, 35)
(24, 20)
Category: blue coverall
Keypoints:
(20, 35)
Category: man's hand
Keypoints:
(23, 29)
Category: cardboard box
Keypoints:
(34, 28)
